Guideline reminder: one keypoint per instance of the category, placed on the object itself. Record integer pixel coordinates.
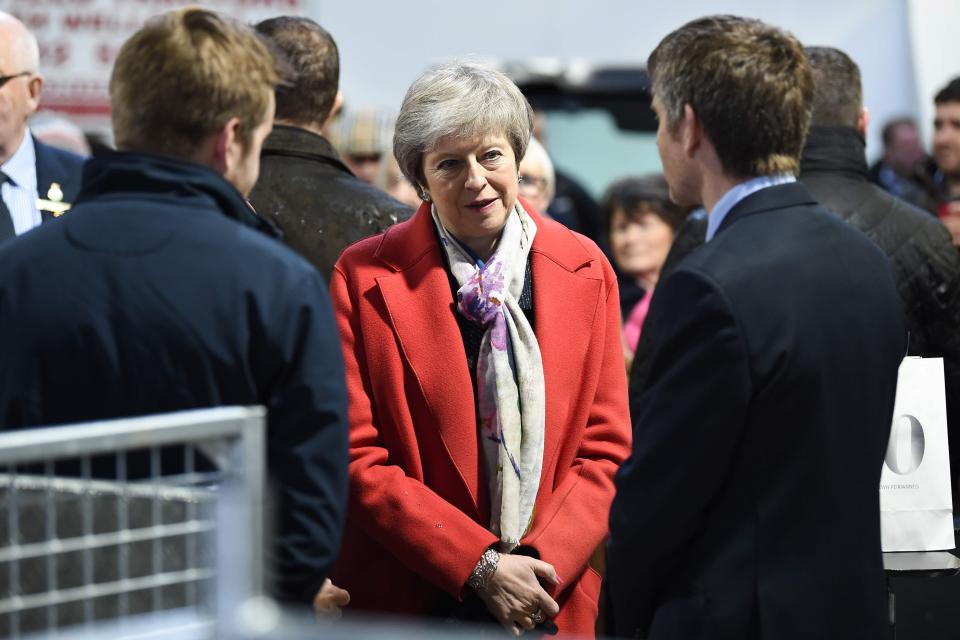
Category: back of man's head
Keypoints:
(182, 77)
(748, 83)
(308, 95)
(837, 91)
(950, 93)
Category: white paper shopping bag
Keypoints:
(916, 505)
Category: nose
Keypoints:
(476, 176)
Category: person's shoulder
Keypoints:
(911, 218)
(360, 260)
(378, 203)
(290, 177)
(920, 244)
(564, 241)
(265, 249)
(47, 154)
(31, 249)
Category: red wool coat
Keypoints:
(419, 510)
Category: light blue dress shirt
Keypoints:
(738, 193)
(20, 192)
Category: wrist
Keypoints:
(484, 570)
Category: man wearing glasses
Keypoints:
(37, 182)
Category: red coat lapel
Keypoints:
(419, 301)
(565, 307)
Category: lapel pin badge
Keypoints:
(54, 201)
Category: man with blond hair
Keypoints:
(37, 182)
(749, 507)
(161, 290)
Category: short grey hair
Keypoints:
(458, 99)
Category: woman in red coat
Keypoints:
(488, 402)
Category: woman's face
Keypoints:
(640, 243)
(473, 183)
(533, 187)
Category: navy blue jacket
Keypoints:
(57, 166)
(154, 294)
(750, 507)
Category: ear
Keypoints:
(335, 110)
(226, 147)
(691, 131)
(863, 121)
(35, 88)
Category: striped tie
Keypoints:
(6, 220)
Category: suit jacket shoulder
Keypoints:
(56, 165)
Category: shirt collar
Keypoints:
(21, 167)
(738, 193)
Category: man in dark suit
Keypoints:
(37, 182)
(304, 186)
(749, 507)
(162, 291)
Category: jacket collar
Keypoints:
(404, 244)
(771, 198)
(167, 178)
(286, 140)
(834, 149)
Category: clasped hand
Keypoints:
(515, 596)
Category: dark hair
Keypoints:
(637, 195)
(749, 85)
(950, 93)
(309, 92)
(893, 125)
(837, 91)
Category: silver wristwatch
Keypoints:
(485, 568)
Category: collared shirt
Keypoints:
(738, 193)
(20, 191)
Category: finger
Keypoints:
(512, 628)
(546, 570)
(339, 597)
(508, 624)
(549, 606)
(321, 594)
(526, 622)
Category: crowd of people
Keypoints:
(423, 305)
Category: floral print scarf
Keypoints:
(510, 388)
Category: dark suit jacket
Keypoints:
(154, 294)
(57, 166)
(306, 190)
(749, 507)
(689, 236)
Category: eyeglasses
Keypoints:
(532, 183)
(5, 79)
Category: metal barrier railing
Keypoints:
(116, 519)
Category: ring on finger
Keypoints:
(538, 616)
